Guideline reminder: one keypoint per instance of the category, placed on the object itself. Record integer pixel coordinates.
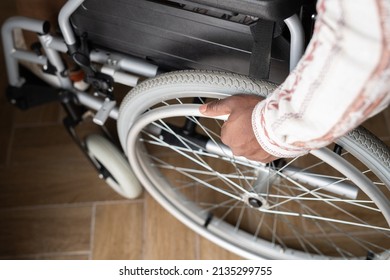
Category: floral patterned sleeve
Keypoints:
(342, 79)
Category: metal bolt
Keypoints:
(254, 202)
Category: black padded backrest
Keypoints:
(175, 37)
(266, 9)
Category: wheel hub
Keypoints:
(255, 201)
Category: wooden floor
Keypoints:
(53, 206)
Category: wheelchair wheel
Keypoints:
(327, 204)
(118, 174)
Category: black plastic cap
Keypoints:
(46, 27)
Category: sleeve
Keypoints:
(342, 79)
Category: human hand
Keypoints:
(237, 132)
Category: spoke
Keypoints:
(276, 173)
(215, 173)
(183, 141)
(238, 223)
(323, 176)
(287, 213)
(362, 223)
(205, 130)
(326, 198)
(211, 186)
(212, 206)
(259, 225)
(191, 184)
(319, 163)
(316, 194)
(375, 183)
(307, 191)
(164, 144)
(200, 161)
(205, 153)
(275, 236)
(227, 212)
(342, 232)
(275, 222)
(301, 239)
(353, 237)
(307, 209)
(345, 222)
(304, 207)
(195, 171)
(202, 182)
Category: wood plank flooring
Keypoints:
(53, 206)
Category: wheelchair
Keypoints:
(174, 55)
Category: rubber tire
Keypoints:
(106, 153)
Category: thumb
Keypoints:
(215, 108)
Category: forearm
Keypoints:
(342, 80)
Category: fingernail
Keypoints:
(202, 108)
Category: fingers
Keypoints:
(216, 108)
(262, 158)
(250, 148)
(237, 132)
(253, 154)
(226, 106)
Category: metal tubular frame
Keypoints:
(13, 55)
(297, 40)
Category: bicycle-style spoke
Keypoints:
(196, 179)
(198, 159)
(361, 223)
(201, 163)
(360, 242)
(314, 217)
(335, 226)
(321, 197)
(314, 192)
(217, 143)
